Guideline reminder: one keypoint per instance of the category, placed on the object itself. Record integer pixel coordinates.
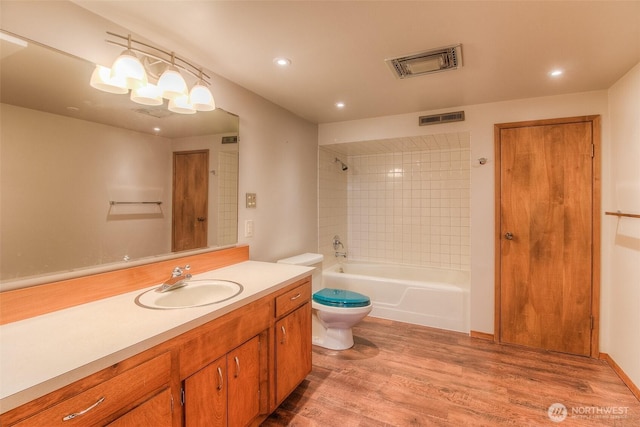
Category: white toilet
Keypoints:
(335, 311)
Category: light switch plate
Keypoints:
(248, 228)
(251, 200)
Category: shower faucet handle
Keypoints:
(337, 243)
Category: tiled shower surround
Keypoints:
(401, 207)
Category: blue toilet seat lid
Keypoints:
(340, 298)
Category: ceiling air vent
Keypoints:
(230, 139)
(431, 61)
(435, 119)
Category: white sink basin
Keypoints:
(196, 294)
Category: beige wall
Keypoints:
(333, 211)
(620, 111)
(59, 174)
(402, 201)
(621, 237)
(278, 150)
(479, 123)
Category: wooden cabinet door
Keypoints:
(244, 383)
(154, 412)
(546, 234)
(293, 351)
(205, 400)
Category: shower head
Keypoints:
(344, 167)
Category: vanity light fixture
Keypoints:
(128, 67)
(136, 66)
(201, 97)
(171, 82)
(101, 79)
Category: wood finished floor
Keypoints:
(399, 374)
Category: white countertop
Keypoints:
(43, 353)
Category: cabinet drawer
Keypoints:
(293, 299)
(154, 412)
(96, 404)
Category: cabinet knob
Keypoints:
(508, 235)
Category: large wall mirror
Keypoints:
(86, 177)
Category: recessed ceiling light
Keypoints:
(282, 62)
(340, 104)
(556, 73)
(156, 129)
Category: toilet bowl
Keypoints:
(335, 311)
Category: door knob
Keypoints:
(508, 235)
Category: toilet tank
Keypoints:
(310, 260)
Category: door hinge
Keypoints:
(182, 396)
(593, 151)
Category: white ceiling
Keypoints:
(338, 48)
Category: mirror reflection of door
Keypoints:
(190, 199)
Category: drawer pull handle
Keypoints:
(237, 367)
(77, 414)
(220, 378)
(295, 297)
(284, 335)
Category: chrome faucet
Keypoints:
(337, 243)
(177, 280)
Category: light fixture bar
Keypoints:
(129, 73)
(188, 66)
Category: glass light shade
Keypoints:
(181, 105)
(201, 99)
(129, 67)
(172, 84)
(101, 79)
(147, 95)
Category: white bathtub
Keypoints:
(424, 296)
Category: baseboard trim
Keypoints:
(481, 335)
(618, 370)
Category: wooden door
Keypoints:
(293, 351)
(205, 400)
(547, 241)
(244, 383)
(190, 200)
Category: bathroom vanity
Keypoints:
(112, 362)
